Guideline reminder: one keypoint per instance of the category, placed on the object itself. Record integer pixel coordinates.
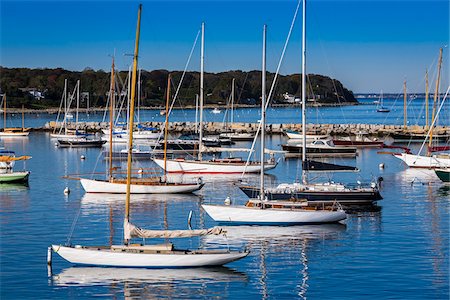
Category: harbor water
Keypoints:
(398, 252)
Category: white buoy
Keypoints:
(67, 190)
(83, 157)
(227, 201)
(381, 166)
(56, 144)
(189, 219)
(49, 256)
(140, 171)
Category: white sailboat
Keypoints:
(147, 185)
(264, 212)
(147, 256)
(429, 161)
(215, 166)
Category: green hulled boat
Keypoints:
(14, 177)
(443, 174)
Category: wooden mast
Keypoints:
(111, 119)
(166, 128)
(405, 117)
(436, 93)
(131, 120)
(426, 100)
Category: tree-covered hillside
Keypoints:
(18, 82)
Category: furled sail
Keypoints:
(7, 158)
(132, 231)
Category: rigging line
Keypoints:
(72, 228)
(269, 96)
(181, 79)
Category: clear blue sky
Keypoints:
(368, 45)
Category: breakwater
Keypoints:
(218, 127)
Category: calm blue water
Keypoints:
(326, 115)
(401, 252)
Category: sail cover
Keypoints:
(6, 158)
(318, 166)
(132, 231)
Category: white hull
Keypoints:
(309, 137)
(137, 135)
(14, 134)
(176, 259)
(419, 161)
(269, 216)
(211, 167)
(237, 136)
(99, 186)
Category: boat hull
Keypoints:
(443, 174)
(256, 216)
(14, 134)
(320, 152)
(100, 186)
(80, 144)
(103, 256)
(359, 144)
(14, 177)
(211, 167)
(343, 197)
(419, 161)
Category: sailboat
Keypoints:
(214, 166)
(380, 107)
(272, 212)
(430, 160)
(13, 132)
(147, 185)
(316, 193)
(64, 131)
(146, 256)
(7, 162)
(230, 134)
(77, 140)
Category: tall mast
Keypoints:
(78, 105)
(23, 119)
(139, 98)
(405, 116)
(304, 177)
(232, 102)
(426, 100)
(202, 58)
(436, 93)
(111, 118)
(65, 106)
(131, 121)
(166, 127)
(4, 112)
(263, 112)
(196, 113)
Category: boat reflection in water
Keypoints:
(276, 235)
(281, 244)
(153, 283)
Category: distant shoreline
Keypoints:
(53, 110)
